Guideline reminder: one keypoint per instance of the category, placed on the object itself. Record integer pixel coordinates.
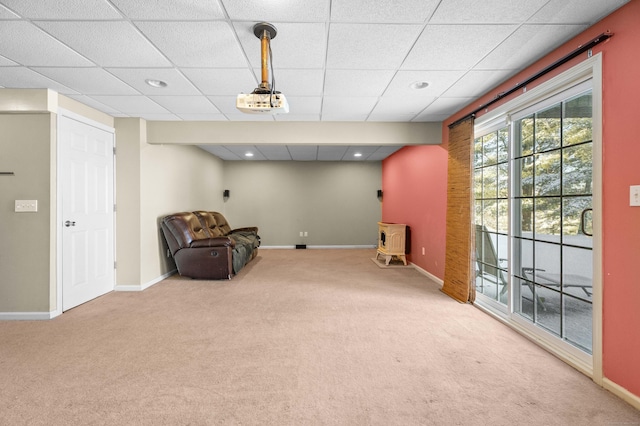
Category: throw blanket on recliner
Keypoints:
(246, 243)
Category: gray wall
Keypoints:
(25, 149)
(334, 202)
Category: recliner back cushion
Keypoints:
(210, 222)
(186, 228)
(222, 223)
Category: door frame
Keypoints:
(56, 222)
(591, 68)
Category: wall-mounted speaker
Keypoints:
(225, 193)
(379, 193)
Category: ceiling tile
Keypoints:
(477, 83)
(90, 81)
(383, 152)
(576, 11)
(28, 45)
(445, 106)
(196, 44)
(186, 104)
(274, 152)
(294, 46)
(303, 152)
(226, 104)
(242, 150)
(89, 101)
(170, 9)
(220, 151)
(274, 11)
(64, 9)
(455, 47)
(239, 116)
(396, 105)
(382, 11)
(131, 104)
(103, 42)
(221, 82)
(370, 46)
(4, 62)
(297, 82)
(297, 117)
(439, 82)
(24, 78)
(353, 106)
(526, 44)
(485, 12)
(158, 117)
(351, 83)
(304, 105)
(7, 14)
(202, 117)
(177, 84)
(331, 152)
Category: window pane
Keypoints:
(477, 153)
(490, 182)
(548, 126)
(524, 168)
(490, 215)
(572, 214)
(547, 264)
(577, 121)
(547, 175)
(503, 145)
(524, 133)
(525, 206)
(548, 311)
(490, 146)
(503, 216)
(577, 169)
(524, 298)
(477, 184)
(577, 280)
(503, 180)
(525, 249)
(578, 323)
(547, 219)
(478, 218)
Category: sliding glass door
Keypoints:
(533, 188)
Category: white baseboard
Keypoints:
(27, 316)
(621, 393)
(428, 274)
(143, 286)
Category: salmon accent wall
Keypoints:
(414, 181)
(414, 184)
(620, 169)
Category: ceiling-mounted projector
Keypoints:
(264, 99)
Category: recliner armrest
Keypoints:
(213, 242)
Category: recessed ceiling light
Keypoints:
(248, 154)
(159, 84)
(357, 154)
(419, 85)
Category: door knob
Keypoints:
(69, 223)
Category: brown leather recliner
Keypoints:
(204, 246)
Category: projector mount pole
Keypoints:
(265, 32)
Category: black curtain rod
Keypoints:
(581, 49)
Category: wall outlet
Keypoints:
(423, 251)
(306, 234)
(301, 234)
(26, 206)
(634, 195)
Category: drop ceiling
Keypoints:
(335, 60)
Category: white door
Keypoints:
(87, 215)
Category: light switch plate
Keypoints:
(634, 195)
(26, 206)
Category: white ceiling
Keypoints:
(335, 60)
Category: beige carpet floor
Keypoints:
(299, 337)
